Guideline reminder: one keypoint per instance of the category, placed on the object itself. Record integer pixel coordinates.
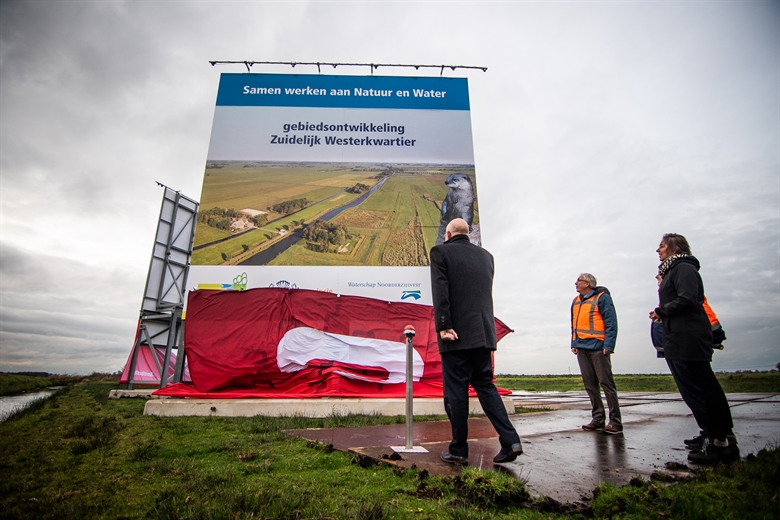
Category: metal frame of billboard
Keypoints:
(373, 66)
(160, 321)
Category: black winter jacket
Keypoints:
(462, 287)
(687, 332)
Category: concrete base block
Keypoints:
(323, 407)
(145, 393)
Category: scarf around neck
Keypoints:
(666, 264)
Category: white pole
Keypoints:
(409, 333)
(410, 447)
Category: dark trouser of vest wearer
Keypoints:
(596, 369)
(474, 366)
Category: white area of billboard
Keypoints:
(428, 136)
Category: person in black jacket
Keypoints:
(462, 286)
(687, 341)
(691, 394)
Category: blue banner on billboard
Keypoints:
(293, 90)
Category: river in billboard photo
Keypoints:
(329, 214)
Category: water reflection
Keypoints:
(12, 403)
(611, 457)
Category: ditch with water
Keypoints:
(10, 404)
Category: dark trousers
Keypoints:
(473, 366)
(691, 394)
(596, 369)
(718, 414)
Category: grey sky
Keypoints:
(598, 127)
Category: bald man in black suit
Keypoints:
(462, 284)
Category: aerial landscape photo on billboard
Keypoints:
(329, 213)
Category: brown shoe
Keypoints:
(592, 427)
(612, 429)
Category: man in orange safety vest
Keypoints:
(593, 337)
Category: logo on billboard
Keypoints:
(284, 284)
(239, 284)
(416, 295)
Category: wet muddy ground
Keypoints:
(561, 460)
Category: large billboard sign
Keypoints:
(334, 183)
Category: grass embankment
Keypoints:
(82, 455)
(731, 383)
(15, 384)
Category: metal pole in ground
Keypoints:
(409, 333)
(409, 447)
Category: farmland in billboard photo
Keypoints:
(329, 214)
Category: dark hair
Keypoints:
(677, 243)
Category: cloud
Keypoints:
(598, 127)
(62, 316)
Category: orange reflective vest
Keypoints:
(586, 320)
(711, 314)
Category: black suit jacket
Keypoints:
(462, 286)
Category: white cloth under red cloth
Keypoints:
(301, 345)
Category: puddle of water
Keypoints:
(10, 404)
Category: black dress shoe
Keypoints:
(508, 454)
(711, 454)
(446, 456)
(695, 443)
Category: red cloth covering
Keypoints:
(231, 341)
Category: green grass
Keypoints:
(212, 255)
(745, 490)
(240, 185)
(261, 185)
(404, 211)
(12, 384)
(206, 234)
(81, 455)
(84, 456)
(731, 383)
(300, 255)
(402, 204)
(311, 213)
(756, 382)
(430, 216)
(383, 199)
